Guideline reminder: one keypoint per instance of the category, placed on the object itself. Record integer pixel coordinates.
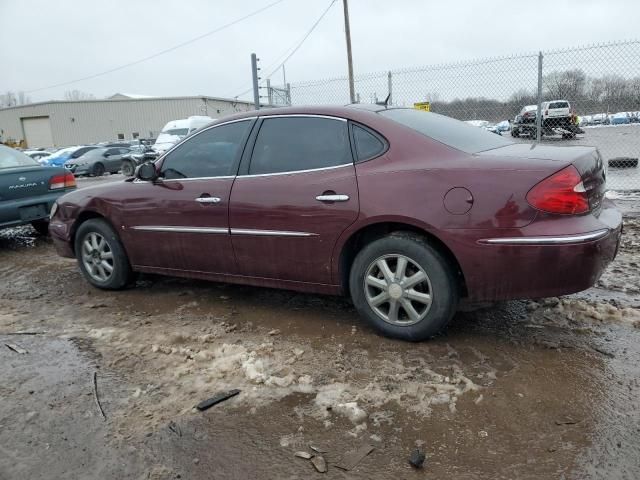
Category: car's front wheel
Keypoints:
(98, 170)
(101, 256)
(403, 287)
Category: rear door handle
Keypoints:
(208, 200)
(332, 198)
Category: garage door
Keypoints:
(37, 132)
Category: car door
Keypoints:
(111, 159)
(294, 196)
(180, 222)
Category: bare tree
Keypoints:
(8, 99)
(78, 95)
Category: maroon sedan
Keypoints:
(409, 212)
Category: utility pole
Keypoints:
(254, 74)
(347, 32)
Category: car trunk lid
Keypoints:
(27, 181)
(587, 161)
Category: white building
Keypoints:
(120, 117)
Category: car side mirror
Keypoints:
(106, 155)
(146, 172)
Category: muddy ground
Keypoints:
(544, 389)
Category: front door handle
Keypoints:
(332, 198)
(208, 200)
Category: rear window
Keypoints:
(10, 158)
(558, 105)
(449, 131)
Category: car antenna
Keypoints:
(385, 103)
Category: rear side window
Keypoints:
(368, 145)
(211, 153)
(290, 144)
(449, 131)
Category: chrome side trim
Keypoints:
(270, 233)
(312, 115)
(295, 171)
(560, 240)
(208, 200)
(163, 228)
(225, 177)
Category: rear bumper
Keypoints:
(535, 266)
(10, 209)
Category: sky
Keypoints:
(44, 43)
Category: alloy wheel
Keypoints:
(398, 290)
(97, 257)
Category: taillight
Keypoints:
(546, 112)
(563, 192)
(66, 180)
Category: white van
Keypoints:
(176, 130)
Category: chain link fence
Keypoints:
(587, 95)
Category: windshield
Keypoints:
(10, 158)
(449, 131)
(180, 132)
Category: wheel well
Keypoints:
(373, 232)
(83, 217)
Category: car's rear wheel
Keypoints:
(403, 287)
(101, 256)
(98, 170)
(41, 226)
(515, 132)
(127, 168)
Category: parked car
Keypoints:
(97, 161)
(135, 158)
(556, 113)
(39, 155)
(525, 121)
(59, 158)
(176, 130)
(599, 119)
(620, 118)
(28, 190)
(409, 212)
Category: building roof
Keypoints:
(146, 99)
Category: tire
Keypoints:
(440, 284)
(91, 234)
(97, 170)
(128, 168)
(41, 226)
(515, 132)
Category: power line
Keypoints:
(175, 47)
(295, 48)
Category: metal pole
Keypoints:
(269, 92)
(284, 76)
(288, 94)
(390, 83)
(254, 75)
(347, 33)
(539, 122)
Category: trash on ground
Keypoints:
(95, 395)
(319, 463)
(317, 449)
(217, 398)
(305, 455)
(417, 458)
(16, 348)
(353, 457)
(175, 428)
(566, 421)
